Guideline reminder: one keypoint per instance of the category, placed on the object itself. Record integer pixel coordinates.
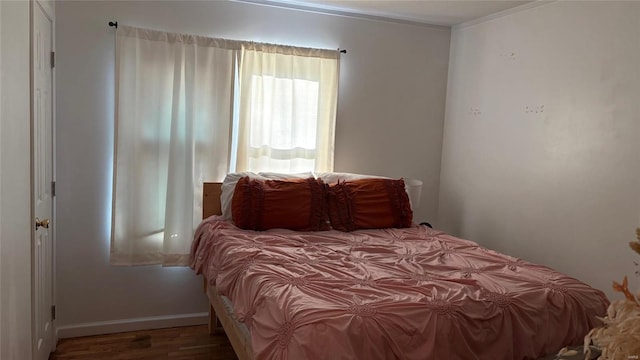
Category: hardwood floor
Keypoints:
(181, 343)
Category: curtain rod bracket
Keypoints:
(113, 24)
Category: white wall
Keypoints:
(15, 182)
(540, 153)
(390, 118)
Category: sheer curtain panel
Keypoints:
(173, 120)
(287, 109)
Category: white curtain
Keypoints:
(174, 98)
(287, 108)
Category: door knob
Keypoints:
(42, 223)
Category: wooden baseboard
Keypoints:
(134, 324)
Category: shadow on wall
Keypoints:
(485, 228)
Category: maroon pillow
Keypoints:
(369, 204)
(295, 204)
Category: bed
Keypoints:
(409, 293)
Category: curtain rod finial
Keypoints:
(343, 51)
(113, 24)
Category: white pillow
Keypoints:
(230, 181)
(334, 177)
(283, 176)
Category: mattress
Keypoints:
(413, 293)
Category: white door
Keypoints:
(42, 301)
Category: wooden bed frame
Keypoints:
(217, 308)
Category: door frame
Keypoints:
(15, 188)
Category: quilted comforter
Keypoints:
(413, 293)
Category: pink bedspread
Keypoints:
(412, 293)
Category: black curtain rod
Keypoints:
(115, 25)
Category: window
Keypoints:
(287, 111)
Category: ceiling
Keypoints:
(435, 12)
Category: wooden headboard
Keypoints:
(211, 199)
